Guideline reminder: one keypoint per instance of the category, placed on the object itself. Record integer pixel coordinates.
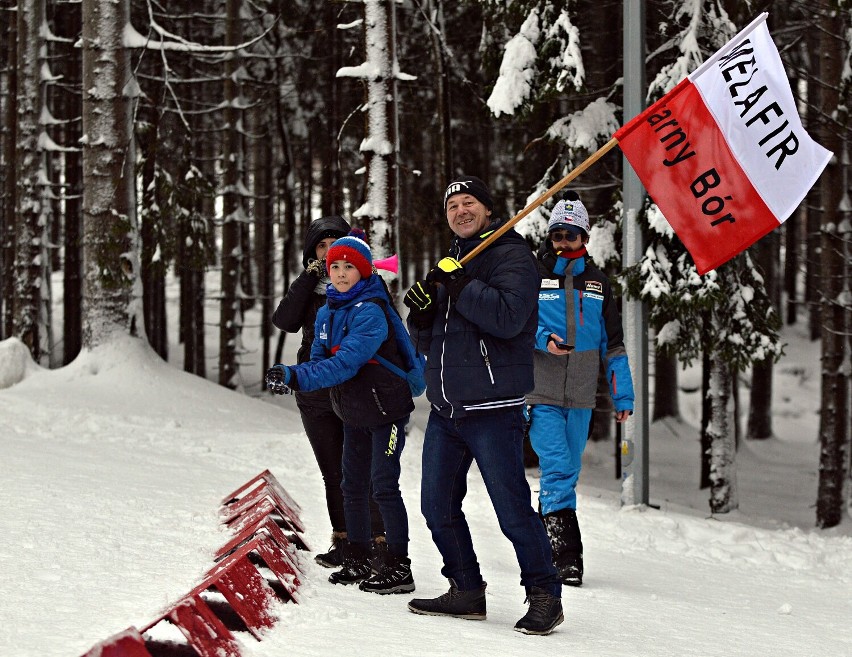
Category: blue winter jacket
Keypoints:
(589, 320)
(480, 348)
(347, 334)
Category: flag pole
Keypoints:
(589, 161)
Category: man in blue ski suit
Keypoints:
(579, 326)
(476, 324)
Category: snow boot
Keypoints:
(563, 530)
(334, 557)
(356, 566)
(469, 605)
(544, 614)
(378, 553)
(394, 576)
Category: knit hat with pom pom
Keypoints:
(353, 249)
(570, 214)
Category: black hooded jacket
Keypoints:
(298, 309)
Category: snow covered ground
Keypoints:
(114, 466)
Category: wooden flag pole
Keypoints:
(589, 161)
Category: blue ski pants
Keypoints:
(558, 435)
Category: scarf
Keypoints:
(338, 299)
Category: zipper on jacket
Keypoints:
(378, 403)
(443, 352)
(581, 309)
(484, 353)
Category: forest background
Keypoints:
(147, 140)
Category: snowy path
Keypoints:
(113, 469)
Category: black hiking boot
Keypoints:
(469, 605)
(378, 553)
(544, 614)
(566, 543)
(356, 566)
(334, 557)
(394, 576)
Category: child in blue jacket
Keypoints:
(373, 403)
(579, 327)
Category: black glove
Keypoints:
(317, 268)
(450, 273)
(281, 380)
(420, 300)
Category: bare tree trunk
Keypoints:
(834, 284)
(8, 220)
(813, 200)
(380, 207)
(665, 386)
(791, 265)
(31, 214)
(706, 410)
(152, 269)
(191, 262)
(264, 222)
(109, 235)
(723, 473)
(230, 322)
(70, 113)
(760, 400)
(601, 422)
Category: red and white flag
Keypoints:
(724, 154)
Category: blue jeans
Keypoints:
(372, 454)
(495, 441)
(558, 435)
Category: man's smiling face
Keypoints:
(466, 215)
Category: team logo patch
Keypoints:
(547, 296)
(549, 284)
(594, 286)
(592, 295)
(323, 333)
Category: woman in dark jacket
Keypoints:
(297, 312)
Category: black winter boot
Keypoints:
(334, 557)
(356, 566)
(469, 605)
(544, 614)
(563, 530)
(394, 576)
(378, 553)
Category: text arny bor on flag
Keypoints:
(724, 154)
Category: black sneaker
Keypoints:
(469, 605)
(544, 614)
(354, 570)
(394, 576)
(334, 557)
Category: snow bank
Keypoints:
(15, 362)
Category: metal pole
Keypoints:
(634, 446)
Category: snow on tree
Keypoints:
(33, 192)
(111, 289)
(379, 72)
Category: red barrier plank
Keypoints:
(128, 643)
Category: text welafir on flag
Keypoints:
(724, 154)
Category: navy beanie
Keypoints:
(469, 185)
